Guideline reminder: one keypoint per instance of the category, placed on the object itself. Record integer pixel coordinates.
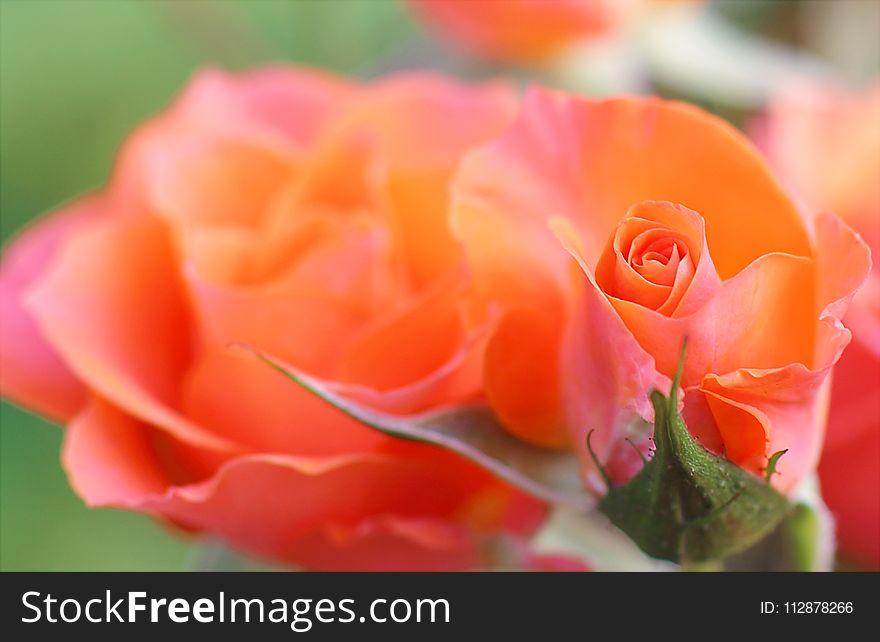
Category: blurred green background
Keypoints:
(77, 75)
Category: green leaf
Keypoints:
(473, 432)
(771, 464)
(688, 505)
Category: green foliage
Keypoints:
(473, 432)
(771, 464)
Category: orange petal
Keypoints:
(294, 499)
(690, 279)
(337, 275)
(760, 412)
(111, 306)
(743, 431)
(764, 317)
(417, 126)
(389, 543)
(209, 180)
(423, 341)
(230, 392)
(590, 161)
(522, 377)
(606, 375)
(275, 113)
(423, 120)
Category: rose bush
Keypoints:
(302, 215)
(679, 230)
(826, 142)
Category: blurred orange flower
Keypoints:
(826, 142)
(303, 215)
(520, 30)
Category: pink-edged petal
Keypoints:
(194, 179)
(111, 306)
(590, 161)
(606, 375)
(424, 120)
(111, 460)
(248, 130)
(31, 372)
(789, 404)
(843, 262)
(764, 317)
(294, 101)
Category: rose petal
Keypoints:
(293, 498)
(694, 280)
(843, 261)
(789, 403)
(849, 469)
(32, 373)
(590, 161)
(764, 317)
(390, 544)
(244, 400)
(413, 343)
(111, 306)
(418, 127)
(218, 111)
(423, 120)
(338, 277)
(606, 375)
(522, 380)
(110, 459)
(294, 101)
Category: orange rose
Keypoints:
(305, 216)
(680, 231)
(520, 30)
(826, 143)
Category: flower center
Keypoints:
(653, 255)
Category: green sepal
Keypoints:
(688, 505)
